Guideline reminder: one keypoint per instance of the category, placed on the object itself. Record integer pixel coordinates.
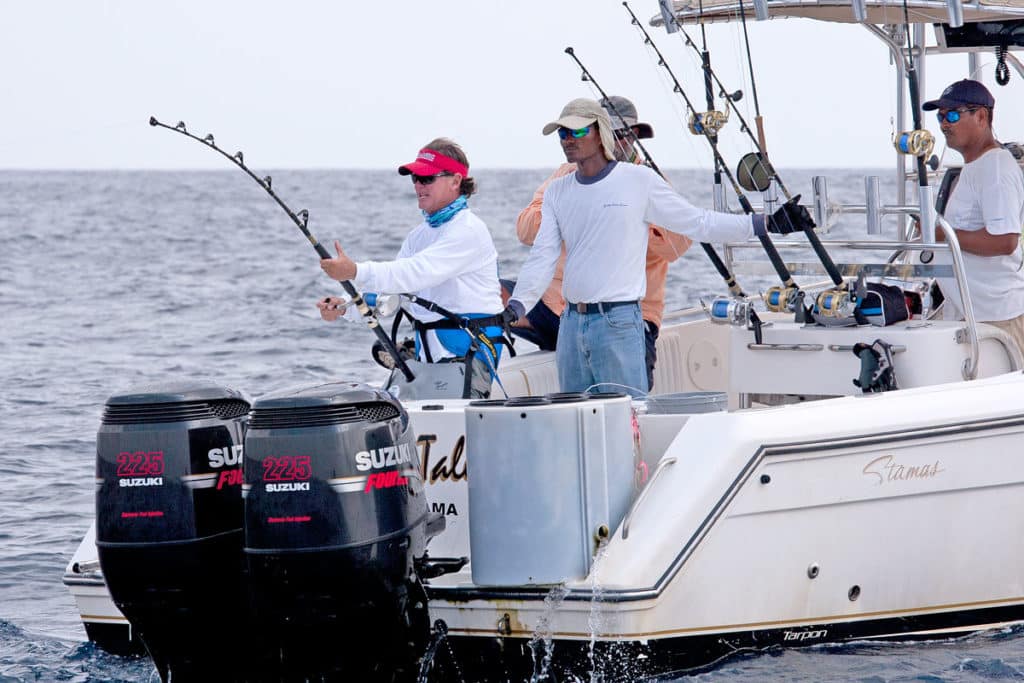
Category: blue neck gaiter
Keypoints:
(442, 216)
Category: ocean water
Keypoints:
(114, 279)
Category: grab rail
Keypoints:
(970, 367)
(665, 462)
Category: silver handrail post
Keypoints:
(970, 367)
(665, 462)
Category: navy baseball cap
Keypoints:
(963, 93)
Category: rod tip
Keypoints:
(568, 50)
(153, 121)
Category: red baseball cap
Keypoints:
(432, 162)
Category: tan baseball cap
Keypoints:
(580, 113)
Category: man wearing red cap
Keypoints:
(985, 208)
(448, 259)
(540, 325)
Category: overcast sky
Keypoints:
(346, 84)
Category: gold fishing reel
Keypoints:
(915, 143)
(780, 299)
(708, 122)
(834, 303)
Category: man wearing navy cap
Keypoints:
(986, 209)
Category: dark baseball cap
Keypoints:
(623, 114)
(962, 94)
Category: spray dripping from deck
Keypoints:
(597, 619)
(542, 642)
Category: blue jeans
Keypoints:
(594, 348)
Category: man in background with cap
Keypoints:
(985, 208)
(448, 259)
(602, 213)
(540, 325)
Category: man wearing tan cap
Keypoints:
(602, 213)
(663, 247)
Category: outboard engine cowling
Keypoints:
(335, 514)
(169, 523)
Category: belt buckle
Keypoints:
(581, 308)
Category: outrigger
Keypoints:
(364, 536)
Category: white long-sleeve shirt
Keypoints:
(454, 265)
(603, 221)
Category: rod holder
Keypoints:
(956, 13)
(821, 211)
(873, 205)
(761, 9)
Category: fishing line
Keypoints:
(730, 98)
(301, 219)
(716, 260)
(773, 254)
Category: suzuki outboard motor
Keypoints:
(335, 514)
(169, 523)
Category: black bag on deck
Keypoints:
(883, 305)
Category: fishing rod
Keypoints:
(730, 99)
(812, 237)
(918, 142)
(775, 299)
(716, 260)
(301, 219)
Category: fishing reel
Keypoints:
(835, 303)
(915, 143)
(708, 122)
(728, 311)
(781, 299)
(384, 305)
(736, 312)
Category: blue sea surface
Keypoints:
(110, 280)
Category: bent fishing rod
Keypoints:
(301, 219)
(812, 237)
(716, 260)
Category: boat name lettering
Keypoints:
(141, 481)
(290, 486)
(804, 635)
(386, 456)
(445, 508)
(229, 455)
(885, 468)
(445, 469)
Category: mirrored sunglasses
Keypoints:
(953, 115)
(577, 133)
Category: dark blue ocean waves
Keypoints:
(110, 280)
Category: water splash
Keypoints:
(596, 621)
(439, 636)
(543, 635)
